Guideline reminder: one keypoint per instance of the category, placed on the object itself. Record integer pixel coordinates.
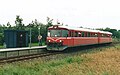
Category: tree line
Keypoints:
(115, 32)
(37, 27)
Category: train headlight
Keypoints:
(48, 40)
(60, 40)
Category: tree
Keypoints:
(49, 22)
(35, 25)
(107, 29)
(2, 28)
(1, 38)
(18, 22)
(8, 25)
(115, 33)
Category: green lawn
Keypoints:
(37, 44)
(34, 44)
(1, 46)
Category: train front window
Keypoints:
(55, 33)
(58, 33)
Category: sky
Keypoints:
(77, 13)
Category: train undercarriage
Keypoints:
(56, 46)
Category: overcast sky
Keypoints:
(85, 13)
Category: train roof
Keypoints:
(81, 29)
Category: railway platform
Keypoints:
(16, 52)
(22, 48)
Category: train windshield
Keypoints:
(58, 33)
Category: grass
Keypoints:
(1, 46)
(101, 61)
(37, 44)
(38, 67)
(34, 44)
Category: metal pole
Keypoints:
(39, 35)
(30, 38)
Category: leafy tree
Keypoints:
(107, 29)
(35, 25)
(18, 22)
(2, 28)
(49, 22)
(9, 25)
(1, 38)
(115, 33)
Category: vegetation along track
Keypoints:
(26, 57)
(46, 53)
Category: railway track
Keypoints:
(43, 54)
(26, 57)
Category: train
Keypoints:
(62, 37)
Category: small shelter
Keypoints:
(16, 38)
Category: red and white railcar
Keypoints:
(62, 37)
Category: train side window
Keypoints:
(83, 34)
(103, 35)
(79, 34)
(96, 35)
(92, 35)
(72, 34)
(108, 35)
(76, 34)
(88, 34)
(64, 33)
